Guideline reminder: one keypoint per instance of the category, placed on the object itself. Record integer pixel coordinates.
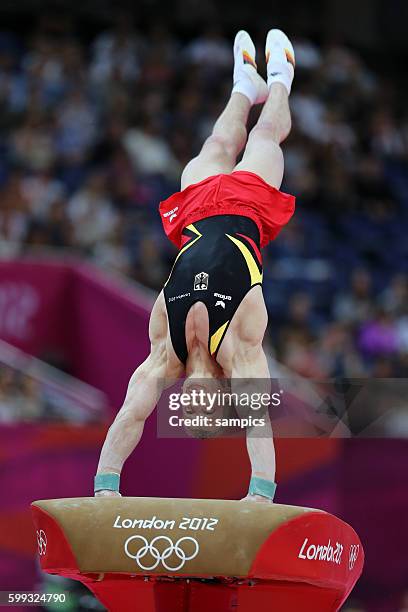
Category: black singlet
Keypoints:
(218, 264)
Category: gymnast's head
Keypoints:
(204, 381)
(205, 408)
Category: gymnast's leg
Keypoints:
(219, 152)
(263, 154)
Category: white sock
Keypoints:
(247, 81)
(280, 72)
(280, 59)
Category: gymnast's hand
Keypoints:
(107, 493)
(257, 498)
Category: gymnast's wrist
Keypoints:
(262, 487)
(107, 481)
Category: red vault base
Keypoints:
(165, 555)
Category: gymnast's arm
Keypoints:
(143, 393)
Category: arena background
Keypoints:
(101, 105)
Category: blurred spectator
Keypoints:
(149, 151)
(14, 212)
(297, 337)
(112, 253)
(211, 50)
(378, 336)
(308, 55)
(29, 401)
(60, 230)
(41, 190)
(387, 139)
(116, 54)
(91, 212)
(149, 269)
(401, 330)
(356, 306)
(8, 412)
(32, 144)
(13, 83)
(76, 127)
(46, 396)
(21, 397)
(338, 354)
(309, 111)
(394, 298)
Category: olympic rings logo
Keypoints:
(353, 555)
(41, 542)
(161, 557)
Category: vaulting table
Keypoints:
(199, 555)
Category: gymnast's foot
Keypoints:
(107, 493)
(280, 59)
(247, 81)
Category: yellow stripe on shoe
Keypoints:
(290, 57)
(248, 59)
